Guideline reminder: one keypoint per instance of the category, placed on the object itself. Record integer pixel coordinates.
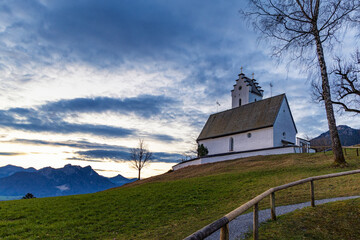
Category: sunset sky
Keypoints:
(82, 81)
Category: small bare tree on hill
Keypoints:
(303, 27)
(140, 156)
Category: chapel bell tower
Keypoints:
(245, 91)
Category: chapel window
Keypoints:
(231, 144)
(239, 101)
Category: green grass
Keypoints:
(173, 205)
(338, 220)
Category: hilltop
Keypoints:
(175, 204)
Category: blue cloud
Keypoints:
(144, 106)
(98, 151)
(11, 153)
(167, 157)
(50, 116)
(73, 144)
(105, 154)
(34, 121)
(125, 155)
(102, 33)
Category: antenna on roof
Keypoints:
(271, 86)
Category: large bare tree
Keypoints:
(140, 156)
(302, 28)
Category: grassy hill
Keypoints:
(333, 221)
(173, 205)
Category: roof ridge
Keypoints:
(248, 104)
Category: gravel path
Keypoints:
(243, 224)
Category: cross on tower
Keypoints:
(241, 69)
(252, 75)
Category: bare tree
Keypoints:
(304, 26)
(140, 156)
(346, 85)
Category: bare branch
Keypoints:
(346, 86)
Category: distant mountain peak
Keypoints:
(348, 137)
(9, 170)
(119, 176)
(48, 181)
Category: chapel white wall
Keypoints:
(284, 123)
(261, 138)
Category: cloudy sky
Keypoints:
(82, 81)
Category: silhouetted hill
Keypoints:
(120, 180)
(348, 137)
(9, 170)
(54, 182)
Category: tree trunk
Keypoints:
(139, 174)
(339, 159)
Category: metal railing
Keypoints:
(223, 223)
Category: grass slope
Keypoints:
(173, 205)
(333, 221)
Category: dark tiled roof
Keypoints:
(248, 117)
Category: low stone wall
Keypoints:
(236, 155)
(196, 161)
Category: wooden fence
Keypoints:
(325, 148)
(223, 223)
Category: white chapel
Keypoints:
(253, 126)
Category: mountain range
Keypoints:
(348, 137)
(47, 182)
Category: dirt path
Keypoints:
(242, 224)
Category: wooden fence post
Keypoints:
(345, 151)
(357, 152)
(224, 232)
(256, 222)
(272, 206)
(312, 193)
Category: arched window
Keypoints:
(231, 144)
(239, 102)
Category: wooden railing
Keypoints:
(327, 147)
(223, 223)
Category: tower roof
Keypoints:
(254, 86)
